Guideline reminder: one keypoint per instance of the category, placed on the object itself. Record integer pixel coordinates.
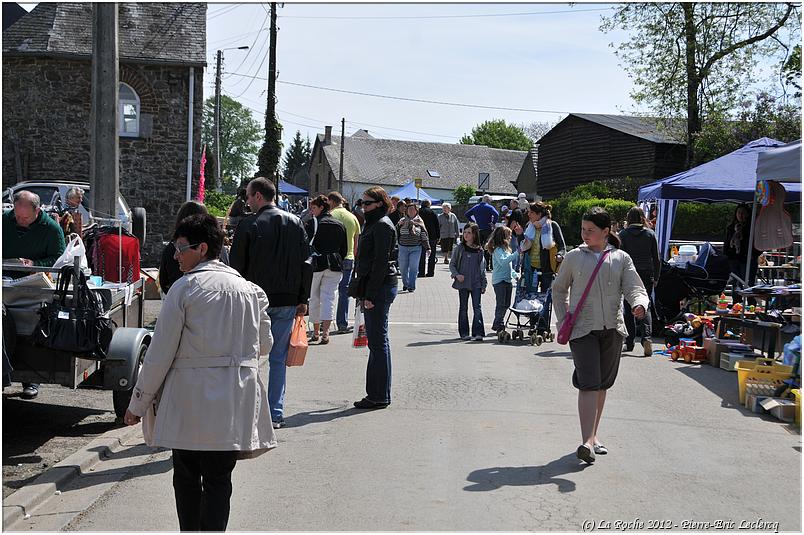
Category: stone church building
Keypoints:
(47, 102)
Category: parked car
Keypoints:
(54, 193)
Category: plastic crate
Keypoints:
(728, 361)
(761, 370)
(797, 393)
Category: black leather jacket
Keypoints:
(377, 253)
(269, 249)
(640, 244)
(430, 223)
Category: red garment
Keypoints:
(106, 257)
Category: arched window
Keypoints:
(129, 111)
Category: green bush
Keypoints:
(218, 203)
(699, 221)
(463, 193)
(570, 216)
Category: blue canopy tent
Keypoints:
(289, 189)
(409, 191)
(730, 178)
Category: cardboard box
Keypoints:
(715, 346)
(710, 345)
(781, 408)
(151, 287)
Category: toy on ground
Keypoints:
(688, 351)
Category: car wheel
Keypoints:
(138, 224)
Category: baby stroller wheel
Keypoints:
(539, 339)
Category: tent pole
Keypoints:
(750, 251)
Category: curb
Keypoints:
(23, 501)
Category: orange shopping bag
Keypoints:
(298, 343)
(359, 337)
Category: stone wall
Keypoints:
(46, 114)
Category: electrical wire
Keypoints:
(405, 99)
(435, 17)
(248, 52)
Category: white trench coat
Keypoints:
(200, 387)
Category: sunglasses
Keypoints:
(366, 203)
(181, 248)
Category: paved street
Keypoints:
(479, 436)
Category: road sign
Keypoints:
(483, 181)
(417, 182)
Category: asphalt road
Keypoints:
(482, 437)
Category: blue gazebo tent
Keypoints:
(289, 189)
(409, 191)
(730, 178)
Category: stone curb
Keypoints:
(21, 502)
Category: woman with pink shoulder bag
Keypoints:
(587, 299)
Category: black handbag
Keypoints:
(357, 286)
(78, 327)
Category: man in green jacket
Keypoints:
(35, 239)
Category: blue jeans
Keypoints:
(502, 291)
(478, 329)
(281, 325)
(378, 370)
(531, 275)
(409, 264)
(342, 314)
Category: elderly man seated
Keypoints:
(34, 238)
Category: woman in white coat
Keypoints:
(199, 391)
(596, 341)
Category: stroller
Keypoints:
(535, 321)
(692, 282)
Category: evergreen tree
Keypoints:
(296, 157)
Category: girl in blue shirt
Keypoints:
(503, 276)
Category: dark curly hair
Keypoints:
(201, 228)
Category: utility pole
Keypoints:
(272, 86)
(343, 144)
(271, 150)
(104, 173)
(218, 184)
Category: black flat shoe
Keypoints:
(366, 403)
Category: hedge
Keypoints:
(569, 214)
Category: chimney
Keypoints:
(327, 135)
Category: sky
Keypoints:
(548, 57)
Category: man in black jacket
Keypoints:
(433, 232)
(270, 248)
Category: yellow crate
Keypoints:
(797, 393)
(760, 369)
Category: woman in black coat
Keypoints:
(375, 285)
(735, 246)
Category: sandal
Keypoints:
(324, 340)
(313, 338)
(600, 449)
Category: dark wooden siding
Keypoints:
(670, 159)
(577, 151)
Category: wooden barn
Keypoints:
(585, 147)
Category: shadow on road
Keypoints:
(321, 416)
(456, 340)
(488, 479)
(720, 382)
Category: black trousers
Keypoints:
(632, 325)
(431, 262)
(202, 484)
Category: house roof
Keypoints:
(153, 32)
(654, 129)
(391, 162)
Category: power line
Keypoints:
(248, 53)
(406, 99)
(360, 123)
(223, 11)
(434, 17)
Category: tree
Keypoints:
(498, 135)
(792, 70)
(271, 150)
(766, 116)
(696, 59)
(463, 193)
(240, 137)
(536, 130)
(296, 157)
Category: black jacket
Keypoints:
(329, 242)
(430, 223)
(269, 249)
(377, 253)
(731, 253)
(169, 271)
(640, 244)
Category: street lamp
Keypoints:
(218, 183)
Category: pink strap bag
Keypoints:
(565, 330)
